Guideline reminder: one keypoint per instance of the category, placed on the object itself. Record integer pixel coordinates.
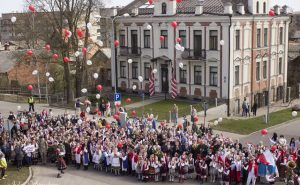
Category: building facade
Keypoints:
(231, 49)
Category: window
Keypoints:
(213, 74)
(122, 38)
(182, 35)
(257, 71)
(164, 43)
(257, 7)
(265, 69)
(122, 69)
(197, 43)
(182, 74)
(146, 38)
(213, 40)
(258, 37)
(237, 39)
(163, 8)
(265, 7)
(266, 37)
(281, 35)
(146, 71)
(135, 67)
(237, 75)
(198, 75)
(280, 66)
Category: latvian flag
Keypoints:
(151, 82)
(173, 84)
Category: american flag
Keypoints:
(151, 82)
(173, 84)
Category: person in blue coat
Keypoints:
(124, 163)
(86, 159)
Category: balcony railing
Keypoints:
(193, 54)
(130, 51)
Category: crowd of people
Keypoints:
(151, 152)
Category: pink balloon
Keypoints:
(29, 53)
(29, 87)
(84, 50)
(99, 87)
(271, 13)
(178, 1)
(47, 47)
(31, 8)
(178, 40)
(117, 43)
(264, 132)
(66, 59)
(150, 2)
(174, 24)
(79, 33)
(55, 56)
(133, 113)
(161, 38)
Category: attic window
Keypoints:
(163, 8)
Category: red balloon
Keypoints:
(116, 117)
(29, 87)
(66, 33)
(79, 33)
(120, 145)
(118, 104)
(162, 123)
(128, 100)
(178, 40)
(179, 126)
(196, 119)
(117, 43)
(118, 113)
(55, 56)
(99, 87)
(133, 113)
(271, 13)
(29, 53)
(84, 50)
(66, 59)
(108, 126)
(161, 38)
(96, 110)
(178, 1)
(150, 2)
(264, 132)
(273, 148)
(47, 47)
(174, 24)
(31, 8)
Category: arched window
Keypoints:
(257, 7)
(163, 8)
(265, 7)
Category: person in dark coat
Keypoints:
(102, 107)
(19, 155)
(254, 108)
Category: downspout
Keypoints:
(228, 80)
(252, 62)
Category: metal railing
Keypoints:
(193, 54)
(130, 51)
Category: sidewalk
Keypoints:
(141, 103)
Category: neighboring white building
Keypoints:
(232, 71)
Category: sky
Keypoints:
(18, 5)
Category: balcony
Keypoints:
(191, 54)
(130, 51)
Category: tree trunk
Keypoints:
(68, 83)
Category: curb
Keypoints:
(29, 177)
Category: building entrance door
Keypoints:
(164, 78)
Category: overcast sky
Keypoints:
(17, 5)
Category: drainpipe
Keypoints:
(229, 43)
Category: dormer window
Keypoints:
(163, 8)
(265, 7)
(257, 7)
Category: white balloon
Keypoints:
(47, 74)
(140, 78)
(130, 61)
(95, 75)
(151, 116)
(70, 34)
(80, 43)
(79, 121)
(178, 47)
(84, 90)
(51, 79)
(22, 120)
(149, 27)
(154, 71)
(19, 107)
(182, 49)
(88, 109)
(89, 25)
(89, 62)
(220, 120)
(181, 65)
(134, 87)
(222, 42)
(98, 96)
(294, 113)
(77, 53)
(69, 116)
(216, 123)
(13, 19)
(35, 72)
(100, 43)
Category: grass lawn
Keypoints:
(247, 126)
(134, 99)
(163, 107)
(14, 176)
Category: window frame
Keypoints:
(164, 43)
(182, 37)
(213, 76)
(213, 40)
(265, 69)
(266, 35)
(258, 38)
(122, 38)
(183, 74)
(280, 62)
(237, 75)
(122, 69)
(257, 72)
(280, 35)
(237, 39)
(147, 39)
(257, 7)
(135, 70)
(197, 76)
(146, 70)
(163, 8)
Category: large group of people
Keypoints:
(145, 148)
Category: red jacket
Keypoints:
(250, 166)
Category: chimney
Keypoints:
(241, 8)
(228, 8)
(277, 10)
(199, 7)
(285, 9)
(135, 11)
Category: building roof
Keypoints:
(7, 61)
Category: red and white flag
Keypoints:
(173, 84)
(151, 82)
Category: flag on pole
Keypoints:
(151, 82)
(173, 84)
